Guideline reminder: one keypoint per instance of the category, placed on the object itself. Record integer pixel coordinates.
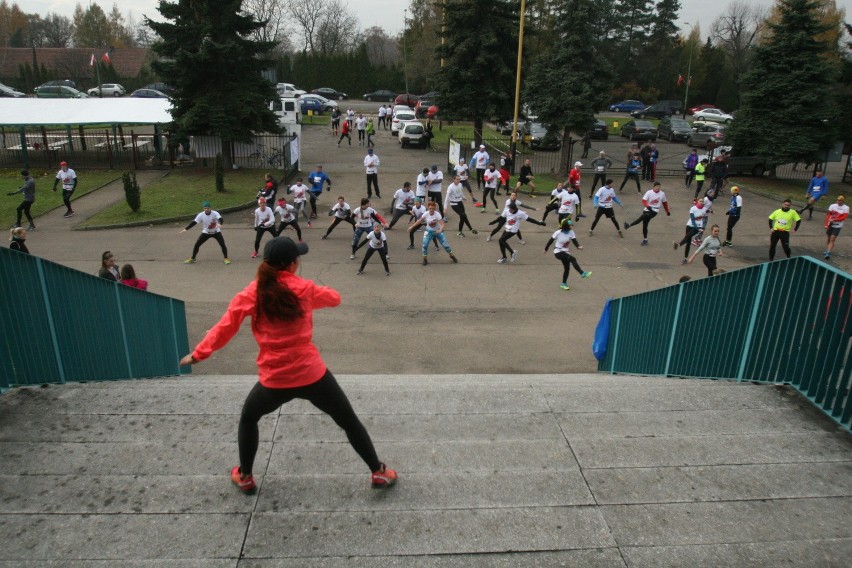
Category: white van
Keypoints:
(287, 110)
(289, 90)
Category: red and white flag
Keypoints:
(680, 80)
(92, 61)
(105, 57)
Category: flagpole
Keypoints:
(688, 76)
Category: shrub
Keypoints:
(131, 191)
(219, 170)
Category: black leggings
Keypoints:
(501, 221)
(325, 394)
(504, 245)
(710, 263)
(645, 218)
(463, 220)
(397, 215)
(66, 199)
(24, 208)
(260, 230)
(602, 178)
(609, 213)
(732, 220)
(634, 177)
(294, 223)
(203, 239)
(436, 197)
(383, 253)
(552, 206)
(466, 184)
(686, 241)
(480, 177)
(342, 136)
(485, 193)
(335, 223)
(784, 237)
(567, 261)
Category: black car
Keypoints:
(330, 93)
(380, 95)
(674, 129)
(653, 111)
(639, 130)
(539, 137)
(600, 131)
(162, 87)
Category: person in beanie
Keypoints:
(280, 304)
(211, 228)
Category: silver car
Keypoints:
(107, 90)
(703, 133)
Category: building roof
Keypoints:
(61, 112)
(72, 62)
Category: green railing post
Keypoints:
(50, 321)
(674, 330)
(615, 343)
(123, 332)
(752, 322)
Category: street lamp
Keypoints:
(514, 143)
(688, 74)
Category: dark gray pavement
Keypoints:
(495, 470)
(462, 375)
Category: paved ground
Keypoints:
(499, 466)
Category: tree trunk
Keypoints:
(477, 131)
(227, 155)
(565, 153)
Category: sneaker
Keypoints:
(591, 233)
(359, 273)
(387, 273)
(497, 211)
(351, 257)
(474, 231)
(227, 261)
(455, 260)
(324, 237)
(245, 484)
(488, 239)
(313, 215)
(410, 247)
(580, 216)
(68, 215)
(696, 242)
(482, 210)
(189, 261)
(254, 254)
(644, 242)
(727, 244)
(684, 261)
(675, 244)
(586, 274)
(425, 261)
(460, 233)
(626, 225)
(514, 255)
(502, 261)
(565, 286)
(522, 241)
(620, 234)
(31, 228)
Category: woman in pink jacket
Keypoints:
(281, 305)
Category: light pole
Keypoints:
(404, 52)
(514, 146)
(688, 74)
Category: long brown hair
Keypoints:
(274, 300)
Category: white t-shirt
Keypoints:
(513, 220)
(837, 210)
(376, 241)
(492, 179)
(569, 201)
(371, 162)
(562, 241)
(481, 160)
(700, 215)
(341, 211)
(403, 199)
(383, 112)
(454, 194)
(209, 223)
(360, 123)
(557, 192)
(655, 199)
(299, 192)
(264, 218)
(364, 217)
(418, 211)
(605, 196)
(287, 214)
(67, 178)
(422, 185)
(436, 181)
(432, 220)
(518, 202)
(461, 171)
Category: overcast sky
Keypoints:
(387, 14)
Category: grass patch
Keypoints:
(316, 119)
(180, 194)
(46, 200)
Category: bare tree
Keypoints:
(308, 15)
(736, 31)
(338, 28)
(382, 49)
(274, 13)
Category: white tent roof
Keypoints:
(52, 112)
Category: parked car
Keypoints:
(60, 83)
(600, 131)
(713, 115)
(413, 134)
(426, 107)
(162, 87)
(289, 90)
(652, 111)
(639, 130)
(407, 99)
(310, 104)
(627, 106)
(702, 133)
(330, 93)
(148, 94)
(674, 106)
(380, 95)
(696, 108)
(6, 91)
(399, 119)
(325, 104)
(398, 108)
(744, 165)
(59, 92)
(505, 128)
(107, 90)
(674, 129)
(539, 137)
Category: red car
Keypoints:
(406, 99)
(426, 108)
(697, 108)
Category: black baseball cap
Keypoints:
(282, 251)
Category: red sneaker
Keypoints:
(384, 477)
(246, 484)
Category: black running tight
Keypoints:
(568, 260)
(203, 239)
(463, 220)
(488, 191)
(325, 394)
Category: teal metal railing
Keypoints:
(61, 325)
(786, 321)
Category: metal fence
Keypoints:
(786, 321)
(62, 325)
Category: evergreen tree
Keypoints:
(480, 48)
(634, 18)
(571, 81)
(207, 54)
(660, 58)
(788, 109)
